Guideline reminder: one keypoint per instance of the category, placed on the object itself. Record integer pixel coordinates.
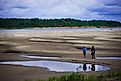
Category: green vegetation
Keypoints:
(15, 23)
(109, 76)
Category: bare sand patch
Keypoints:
(108, 39)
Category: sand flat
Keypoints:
(62, 43)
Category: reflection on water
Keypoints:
(93, 67)
(87, 67)
(84, 67)
(60, 66)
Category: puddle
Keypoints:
(39, 57)
(58, 66)
(109, 58)
(43, 57)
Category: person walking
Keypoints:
(93, 52)
(84, 49)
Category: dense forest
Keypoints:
(16, 23)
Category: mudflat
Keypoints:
(66, 44)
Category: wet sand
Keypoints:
(65, 44)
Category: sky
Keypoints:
(51, 9)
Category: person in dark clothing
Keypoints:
(93, 52)
(84, 49)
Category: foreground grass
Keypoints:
(109, 76)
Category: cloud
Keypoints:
(111, 10)
(111, 2)
(79, 9)
(108, 10)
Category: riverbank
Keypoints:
(64, 43)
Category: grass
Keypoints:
(71, 77)
(108, 76)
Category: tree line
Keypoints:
(17, 23)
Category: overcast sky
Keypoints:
(78, 9)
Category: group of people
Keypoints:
(84, 49)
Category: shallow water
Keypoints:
(43, 57)
(39, 57)
(56, 29)
(109, 58)
(58, 66)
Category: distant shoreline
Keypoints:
(58, 29)
(61, 27)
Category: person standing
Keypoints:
(93, 52)
(84, 49)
